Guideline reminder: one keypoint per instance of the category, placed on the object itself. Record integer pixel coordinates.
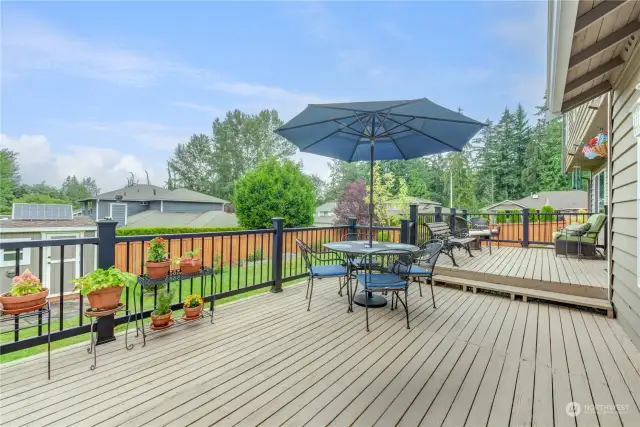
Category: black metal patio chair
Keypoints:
(379, 280)
(323, 270)
(423, 266)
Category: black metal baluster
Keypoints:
(230, 260)
(261, 261)
(213, 266)
(191, 288)
(16, 328)
(246, 267)
(169, 255)
(62, 287)
(269, 255)
(81, 274)
(239, 262)
(41, 272)
(255, 260)
(222, 264)
(180, 281)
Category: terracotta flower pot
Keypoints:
(23, 304)
(190, 266)
(158, 270)
(162, 320)
(192, 312)
(105, 299)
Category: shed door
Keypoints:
(55, 262)
(118, 211)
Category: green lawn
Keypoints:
(227, 278)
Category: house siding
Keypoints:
(624, 189)
(191, 207)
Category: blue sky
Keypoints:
(103, 88)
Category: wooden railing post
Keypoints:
(438, 215)
(106, 259)
(413, 223)
(352, 234)
(404, 230)
(452, 219)
(525, 227)
(277, 255)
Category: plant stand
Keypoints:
(39, 314)
(95, 316)
(144, 282)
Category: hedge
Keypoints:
(154, 231)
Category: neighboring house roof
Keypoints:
(170, 219)
(414, 200)
(560, 200)
(144, 192)
(504, 202)
(326, 207)
(78, 221)
(323, 221)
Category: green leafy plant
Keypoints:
(25, 284)
(101, 279)
(188, 257)
(164, 303)
(157, 250)
(255, 256)
(548, 210)
(533, 215)
(193, 301)
(501, 218)
(515, 216)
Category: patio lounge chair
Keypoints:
(321, 271)
(387, 281)
(451, 239)
(579, 239)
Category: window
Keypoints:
(600, 192)
(8, 256)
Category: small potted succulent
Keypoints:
(189, 262)
(192, 307)
(27, 294)
(103, 288)
(161, 316)
(158, 262)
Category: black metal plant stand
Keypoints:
(15, 318)
(144, 282)
(95, 315)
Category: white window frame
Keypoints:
(126, 210)
(596, 191)
(26, 253)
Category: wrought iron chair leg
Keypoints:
(340, 283)
(433, 297)
(406, 304)
(366, 309)
(308, 283)
(420, 286)
(310, 293)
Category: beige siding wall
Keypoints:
(624, 166)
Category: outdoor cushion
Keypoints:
(582, 228)
(384, 280)
(416, 269)
(573, 237)
(328, 270)
(480, 233)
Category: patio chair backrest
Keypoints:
(305, 250)
(597, 223)
(402, 257)
(479, 223)
(430, 253)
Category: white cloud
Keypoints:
(107, 166)
(216, 112)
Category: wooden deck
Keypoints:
(536, 268)
(476, 360)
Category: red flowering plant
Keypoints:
(157, 250)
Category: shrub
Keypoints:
(157, 231)
(501, 218)
(546, 209)
(383, 236)
(272, 190)
(533, 215)
(515, 217)
(255, 256)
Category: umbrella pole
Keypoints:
(372, 149)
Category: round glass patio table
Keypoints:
(360, 248)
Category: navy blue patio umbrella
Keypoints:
(379, 130)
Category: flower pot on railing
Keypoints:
(27, 294)
(158, 270)
(189, 263)
(158, 264)
(103, 288)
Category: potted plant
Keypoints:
(158, 262)
(161, 316)
(189, 262)
(192, 307)
(104, 287)
(27, 294)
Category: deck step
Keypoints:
(527, 293)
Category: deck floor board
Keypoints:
(476, 359)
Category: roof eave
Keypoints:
(561, 23)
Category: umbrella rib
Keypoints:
(324, 137)
(396, 127)
(313, 124)
(363, 125)
(398, 147)
(440, 119)
(357, 133)
(429, 136)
